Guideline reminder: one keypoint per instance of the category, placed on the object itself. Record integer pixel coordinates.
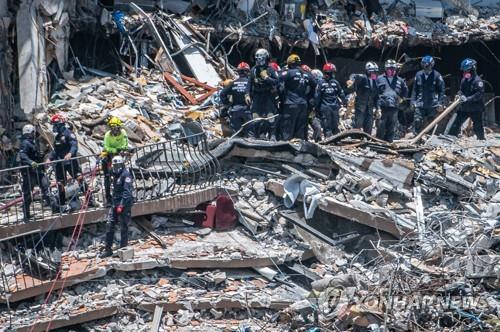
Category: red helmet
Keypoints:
(329, 68)
(274, 66)
(305, 68)
(243, 66)
(57, 118)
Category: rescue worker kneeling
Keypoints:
(235, 96)
(121, 209)
(115, 142)
(329, 97)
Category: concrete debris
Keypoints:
(350, 233)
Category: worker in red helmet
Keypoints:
(63, 154)
(235, 97)
(329, 98)
(275, 66)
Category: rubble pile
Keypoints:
(351, 233)
(335, 25)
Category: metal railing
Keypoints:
(167, 168)
(159, 170)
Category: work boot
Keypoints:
(106, 253)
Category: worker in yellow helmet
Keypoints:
(115, 141)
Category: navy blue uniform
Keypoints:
(122, 196)
(328, 99)
(65, 142)
(263, 93)
(473, 107)
(296, 87)
(365, 101)
(427, 96)
(234, 96)
(391, 93)
(29, 154)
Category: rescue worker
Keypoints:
(365, 86)
(329, 98)
(33, 175)
(262, 91)
(235, 96)
(392, 90)
(427, 94)
(121, 209)
(66, 148)
(314, 121)
(296, 86)
(471, 98)
(115, 142)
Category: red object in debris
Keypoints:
(225, 215)
(209, 221)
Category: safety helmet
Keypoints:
(114, 122)
(427, 62)
(371, 67)
(117, 163)
(305, 68)
(227, 83)
(243, 66)
(28, 129)
(391, 64)
(57, 119)
(468, 65)
(329, 68)
(317, 74)
(261, 56)
(293, 59)
(274, 66)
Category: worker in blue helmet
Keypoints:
(427, 94)
(471, 98)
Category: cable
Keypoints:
(74, 240)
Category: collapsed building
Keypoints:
(351, 233)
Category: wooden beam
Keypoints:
(171, 80)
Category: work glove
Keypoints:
(34, 164)
(263, 74)
(463, 98)
(103, 154)
(378, 114)
(350, 83)
(119, 209)
(248, 100)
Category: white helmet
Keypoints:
(28, 129)
(261, 57)
(371, 67)
(117, 163)
(317, 74)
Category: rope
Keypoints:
(74, 240)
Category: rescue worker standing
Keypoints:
(313, 119)
(471, 98)
(392, 90)
(121, 209)
(32, 175)
(262, 90)
(365, 86)
(66, 148)
(115, 142)
(329, 98)
(296, 85)
(235, 96)
(427, 94)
